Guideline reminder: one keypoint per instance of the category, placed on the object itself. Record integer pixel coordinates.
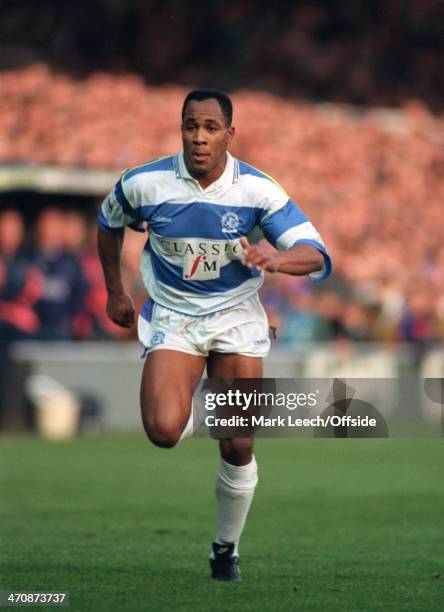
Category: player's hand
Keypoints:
(120, 309)
(261, 256)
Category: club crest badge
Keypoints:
(230, 222)
(158, 338)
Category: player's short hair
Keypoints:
(225, 102)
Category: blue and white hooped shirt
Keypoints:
(192, 260)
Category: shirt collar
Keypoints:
(229, 176)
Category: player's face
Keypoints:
(205, 137)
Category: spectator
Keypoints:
(64, 287)
(300, 322)
(20, 286)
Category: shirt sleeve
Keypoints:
(120, 209)
(285, 225)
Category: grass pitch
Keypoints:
(121, 525)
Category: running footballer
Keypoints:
(202, 276)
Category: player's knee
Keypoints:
(165, 438)
(237, 451)
(162, 433)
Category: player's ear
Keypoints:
(230, 134)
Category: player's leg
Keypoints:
(237, 473)
(166, 391)
(236, 451)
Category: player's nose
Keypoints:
(199, 137)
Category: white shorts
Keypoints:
(241, 329)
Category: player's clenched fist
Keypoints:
(261, 256)
(120, 309)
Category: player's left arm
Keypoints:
(298, 260)
(294, 245)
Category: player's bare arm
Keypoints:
(120, 305)
(298, 260)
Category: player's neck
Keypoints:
(205, 180)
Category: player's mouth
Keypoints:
(200, 157)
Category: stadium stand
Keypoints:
(378, 170)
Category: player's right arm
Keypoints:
(117, 211)
(120, 306)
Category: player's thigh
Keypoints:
(168, 380)
(233, 365)
(236, 451)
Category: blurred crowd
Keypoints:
(370, 179)
(52, 288)
(378, 52)
(51, 283)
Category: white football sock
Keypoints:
(234, 493)
(188, 429)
